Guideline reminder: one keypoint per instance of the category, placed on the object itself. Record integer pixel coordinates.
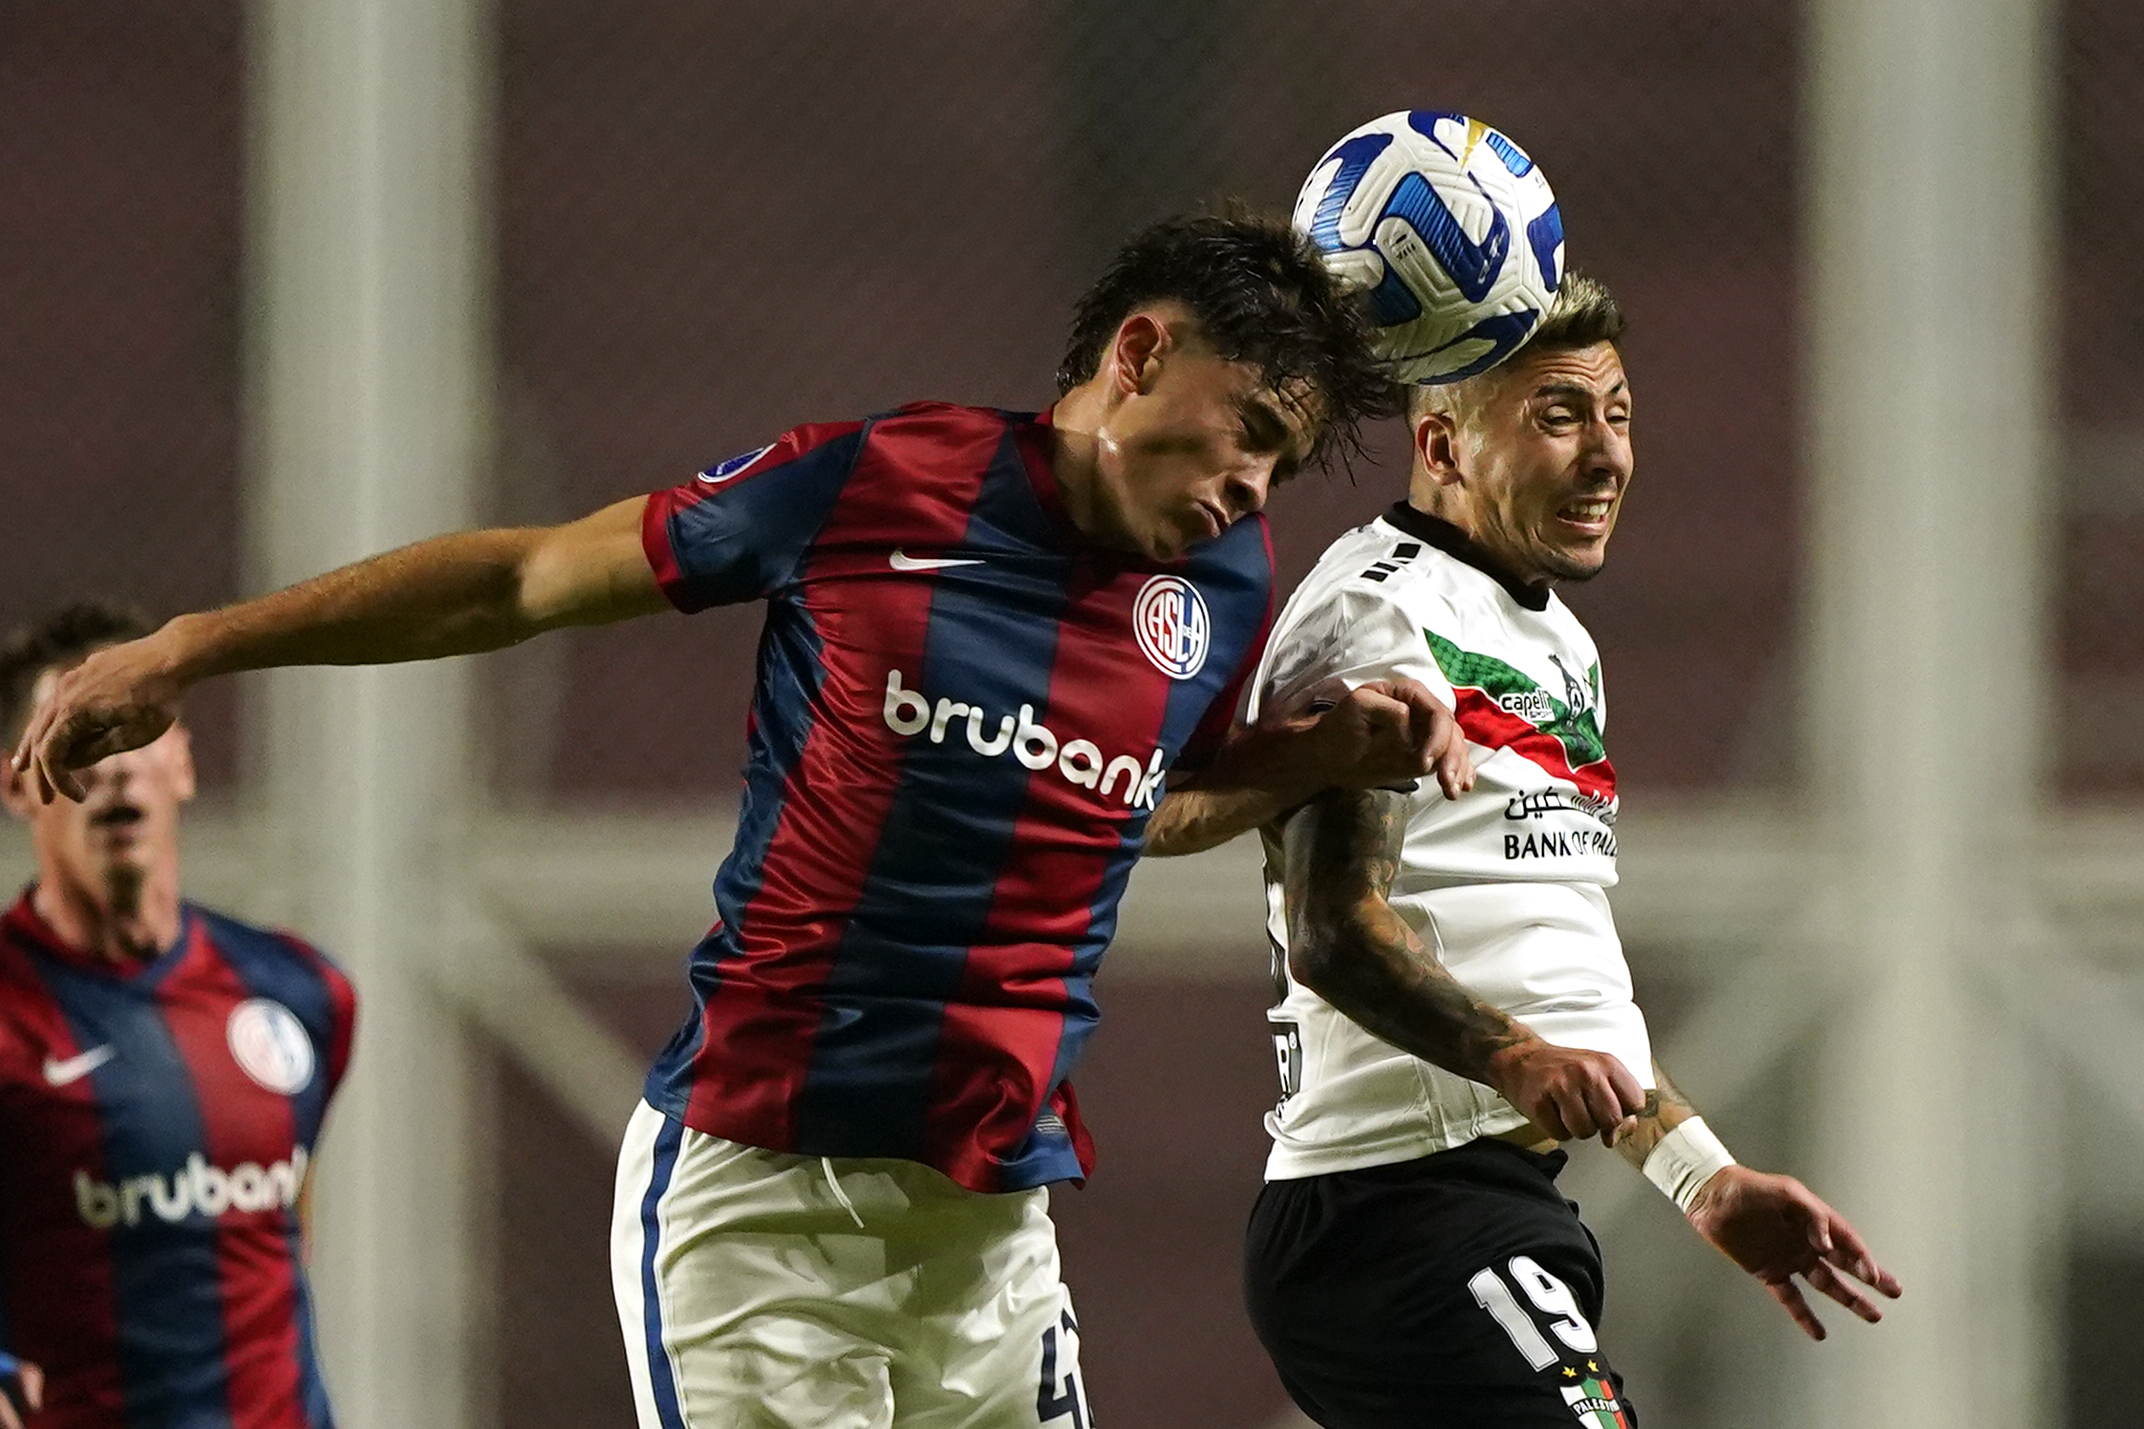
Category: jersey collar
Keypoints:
(23, 922)
(1031, 434)
(1460, 546)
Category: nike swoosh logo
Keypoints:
(60, 1074)
(901, 561)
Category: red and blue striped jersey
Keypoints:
(963, 715)
(155, 1126)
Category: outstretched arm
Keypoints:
(1382, 732)
(451, 595)
(1774, 1227)
(1346, 944)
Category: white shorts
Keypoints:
(751, 1298)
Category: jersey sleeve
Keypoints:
(340, 1005)
(1341, 641)
(1220, 716)
(738, 530)
(344, 997)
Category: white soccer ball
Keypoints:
(1452, 230)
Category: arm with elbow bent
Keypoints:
(1774, 1227)
(1345, 943)
(1382, 732)
(451, 595)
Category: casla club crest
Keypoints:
(1170, 619)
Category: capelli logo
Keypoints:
(1533, 706)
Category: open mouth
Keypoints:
(117, 818)
(1588, 513)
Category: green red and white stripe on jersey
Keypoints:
(1489, 697)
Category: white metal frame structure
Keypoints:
(1920, 906)
(1929, 317)
(370, 351)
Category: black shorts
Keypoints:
(1455, 1291)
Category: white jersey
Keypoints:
(1507, 885)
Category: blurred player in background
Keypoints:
(989, 638)
(1454, 999)
(163, 1075)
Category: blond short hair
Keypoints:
(1583, 313)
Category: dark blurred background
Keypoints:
(714, 221)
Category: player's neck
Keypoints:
(1075, 423)
(1461, 537)
(128, 919)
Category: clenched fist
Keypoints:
(1390, 732)
(1566, 1091)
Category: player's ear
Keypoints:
(1135, 356)
(1436, 447)
(14, 786)
(181, 754)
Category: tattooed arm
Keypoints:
(1346, 944)
(1774, 1227)
(1665, 1109)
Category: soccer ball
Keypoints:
(1451, 229)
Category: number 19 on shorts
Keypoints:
(1550, 1296)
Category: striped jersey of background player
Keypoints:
(989, 637)
(1454, 999)
(164, 1071)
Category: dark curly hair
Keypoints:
(1260, 294)
(61, 638)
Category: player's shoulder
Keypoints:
(254, 946)
(820, 440)
(952, 422)
(923, 444)
(1564, 621)
(1243, 552)
(1433, 570)
(19, 939)
(23, 995)
(1359, 614)
(1376, 571)
(29, 1003)
(930, 412)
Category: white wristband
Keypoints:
(1685, 1160)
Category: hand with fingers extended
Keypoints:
(1388, 732)
(120, 698)
(22, 1391)
(1568, 1092)
(1776, 1228)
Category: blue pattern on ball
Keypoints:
(1428, 273)
(1355, 157)
(1546, 235)
(1503, 331)
(1513, 156)
(1424, 122)
(1473, 266)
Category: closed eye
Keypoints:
(1262, 428)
